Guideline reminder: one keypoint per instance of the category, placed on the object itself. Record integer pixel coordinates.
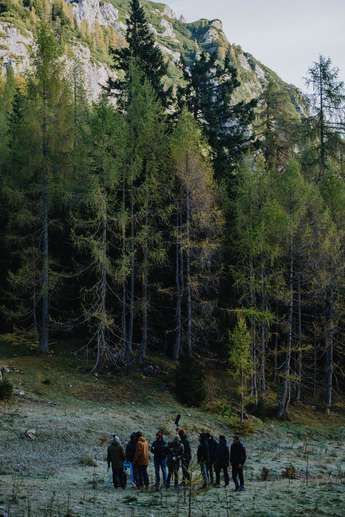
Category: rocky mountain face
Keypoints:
(91, 27)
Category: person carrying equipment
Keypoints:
(174, 460)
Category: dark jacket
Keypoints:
(175, 452)
(203, 451)
(130, 450)
(212, 446)
(187, 454)
(159, 449)
(222, 457)
(238, 454)
(116, 455)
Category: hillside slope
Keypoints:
(91, 27)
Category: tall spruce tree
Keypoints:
(141, 50)
(208, 93)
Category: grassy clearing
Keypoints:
(62, 471)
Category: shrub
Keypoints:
(190, 382)
(6, 390)
(88, 461)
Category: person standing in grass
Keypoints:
(141, 461)
(222, 461)
(187, 456)
(116, 458)
(175, 455)
(159, 450)
(212, 447)
(204, 457)
(130, 454)
(238, 456)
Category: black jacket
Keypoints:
(159, 449)
(175, 452)
(116, 455)
(238, 454)
(203, 452)
(222, 458)
(187, 455)
(212, 446)
(130, 450)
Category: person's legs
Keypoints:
(163, 465)
(145, 476)
(131, 473)
(240, 475)
(176, 469)
(170, 474)
(157, 473)
(140, 480)
(226, 476)
(234, 476)
(217, 471)
(121, 477)
(185, 471)
(210, 472)
(115, 479)
(124, 479)
(204, 473)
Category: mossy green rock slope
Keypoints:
(91, 27)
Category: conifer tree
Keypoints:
(240, 359)
(142, 51)
(328, 98)
(198, 222)
(209, 94)
(40, 158)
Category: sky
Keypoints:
(286, 35)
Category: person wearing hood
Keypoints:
(159, 450)
(187, 455)
(174, 457)
(141, 461)
(130, 454)
(238, 456)
(204, 457)
(212, 447)
(115, 459)
(222, 461)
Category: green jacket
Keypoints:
(116, 455)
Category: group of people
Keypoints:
(172, 458)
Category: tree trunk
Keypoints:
(124, 280)
(44, 335)
(315, 370)
(286, 392)
(329, 342)
(145, 295)
(254, 387)
(300, 352)
(101, 331)
(322, 126)
(189, 286)
(132, 280)
(263, 337)
(178, 338)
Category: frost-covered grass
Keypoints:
(74, 415)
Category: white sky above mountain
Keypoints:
(286, 35)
